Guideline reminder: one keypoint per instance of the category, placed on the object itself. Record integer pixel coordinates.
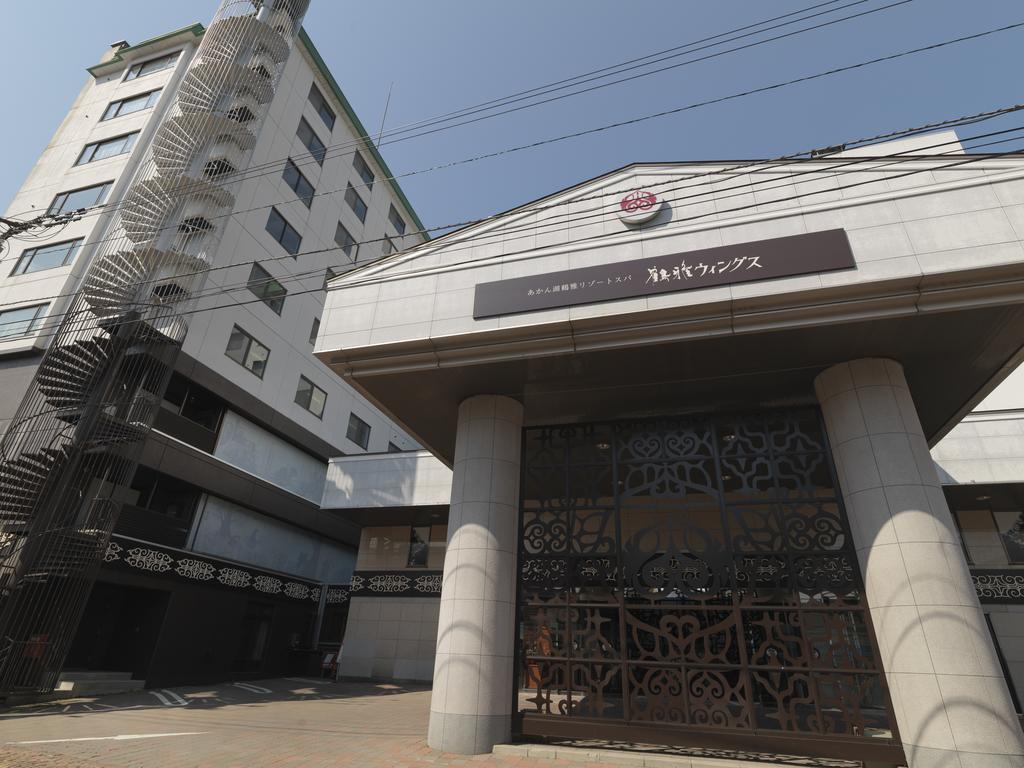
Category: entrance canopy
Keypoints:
(666, 288)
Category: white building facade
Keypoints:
(235, 467)
(689, 410)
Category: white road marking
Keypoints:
(308, 681)
(174, 697)
(169, 698)
(123, 737)
(252, 688)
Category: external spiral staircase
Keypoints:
(75, 438)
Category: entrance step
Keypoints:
(90, 683)
(640, 759)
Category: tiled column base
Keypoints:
(951, 703)
(471, 704)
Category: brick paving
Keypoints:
(295, 724)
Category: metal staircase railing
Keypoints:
(74, 442)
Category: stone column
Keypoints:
(471, 703)
(952, 706)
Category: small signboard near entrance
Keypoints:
(741, 263)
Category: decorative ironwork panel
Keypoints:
(694, 575)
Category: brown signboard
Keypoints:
(727, 265)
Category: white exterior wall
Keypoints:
(245, 240)
(390, 638)
(225, 529)
(386, 480)
(910, 227)
(55, 172)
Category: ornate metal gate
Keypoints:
(693, 581)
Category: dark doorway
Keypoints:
(693, 581)
(254, 638)
(119, 629)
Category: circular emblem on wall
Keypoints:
(638, 207)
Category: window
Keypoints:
(388, 246)
(80, 198)
(131, 104)
(314, 331)
(329, 274)
(308, 137)
(358, 431)
(396, 220)
(355, 202)
(247, 352)
(47, 257)
(321, 106)
(310, 397)
(193, 402)
(283, 232)
(392, 448)
(135, 71)
(348, 243)
(419, 546)
(23, 321)
(363, 170)
(293, 178)
(264, 286)
(101, 150)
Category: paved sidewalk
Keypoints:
(255, 724)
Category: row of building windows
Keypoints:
(245, 350)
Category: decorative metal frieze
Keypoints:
(999, 586)
(134, 556)
(407, 583)
(694, 575)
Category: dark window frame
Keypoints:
(348, 244)
(285, 229)
(170, 58)
(354, 202)
(33, 323)
(313, 331)
(311, 140)
(319, 102)
(307, 395)
(103, 186)
(357, 427)
(149, 97)
(298, 182)
(396, 220)
(90, 150)
(266, 288)
(24, 262)
(363, 169)
(245, 355)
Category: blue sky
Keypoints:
(443, 55)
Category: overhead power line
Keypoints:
(341, 148)
(732, 169)
(632, 121)
(225, 290)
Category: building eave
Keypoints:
(183, 35)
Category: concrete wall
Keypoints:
(390, 638)
(225, 529)
(254, 449)
(386, 480)
(983, 448)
